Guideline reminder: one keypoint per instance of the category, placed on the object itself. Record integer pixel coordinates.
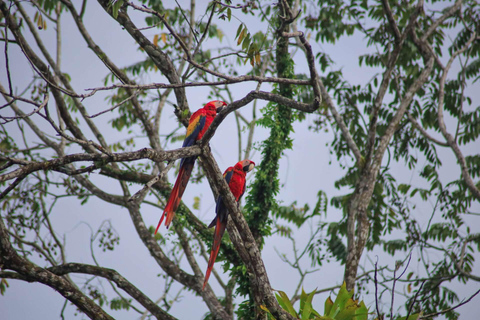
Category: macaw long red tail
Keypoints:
(177, 191)
(219, 231)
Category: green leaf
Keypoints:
(239, 30)
(306, 308)
(307, 311)
(348, 310)
(328, 305)
(3, 286)
(116, 5)
(285, 303)
(196, 203)
(340, 302)
(241, 36)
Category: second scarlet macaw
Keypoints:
(197, 126)
(236, 179)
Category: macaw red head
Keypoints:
(246, 165)
(215, 105)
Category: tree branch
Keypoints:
(103, 158)
(161, 60)
(424, 132)
(262, 284)
(390, 66)
(171, 268)
(118, 279)
(9, 259)
(441, 123)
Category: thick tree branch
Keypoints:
(260, 278)
(358, 204)
(390, 67)
(424, 132)
(161, 60)
(172, 269)
(441, 123)
(103, 158)
(246, 100)
(10, 260)
(118, 279)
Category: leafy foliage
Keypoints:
(414, 206)
(343, 308)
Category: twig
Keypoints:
(141, 193)
(398, 264)
(414, 300)
(7, 63)
(134, 94)
(452, 308)
(228, 80)
(424, 132)
(376, 291)
(36, 110)
(441, 123)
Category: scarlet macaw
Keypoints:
(197, 126)
(235, 178)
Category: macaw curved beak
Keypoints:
(220, 105)
(249, 167)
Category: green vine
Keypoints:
(261, 199)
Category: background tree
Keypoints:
(399, 194)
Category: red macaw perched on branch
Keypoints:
(235, 178)
(197, 126)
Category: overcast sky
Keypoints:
(305, 170)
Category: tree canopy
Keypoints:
(372, 105)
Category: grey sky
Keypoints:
(303, 172)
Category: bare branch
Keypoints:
(452, 308)
(103, 158)
(106, 273)
(440, 20)
(441, 123)
(9, 259)
(135, 93)
(391, 21)
(36, 110)
(424, 132)
(390, 66)
(230, 80)
(247, 99)
(142, 192)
